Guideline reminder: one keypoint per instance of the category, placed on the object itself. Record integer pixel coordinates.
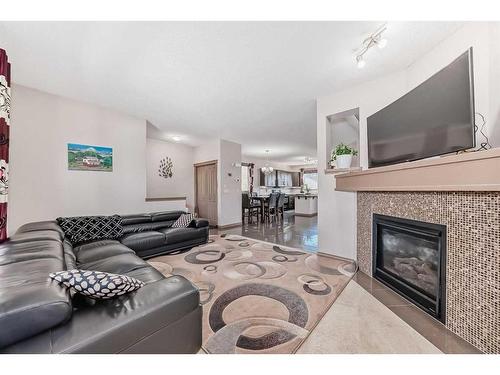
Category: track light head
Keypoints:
(360, 62)
(382, 43)
(375, 39)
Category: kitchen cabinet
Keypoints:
(284, 178)
(280, 179)
(268, 180)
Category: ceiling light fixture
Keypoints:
(382, 43)
(360, 62)
(176, 138)
(267, 169)
(375, 39)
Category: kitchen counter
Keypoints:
(306, 205)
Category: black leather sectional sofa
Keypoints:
(39, 316)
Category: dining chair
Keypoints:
(270, 209)
(248, 208)
(280, 206)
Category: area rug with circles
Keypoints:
(258, 297)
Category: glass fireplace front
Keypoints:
(409, 256)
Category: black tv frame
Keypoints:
(473, 115)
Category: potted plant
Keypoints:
(342, 155)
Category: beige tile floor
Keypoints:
(424, 324)
(358, 323)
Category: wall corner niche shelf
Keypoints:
(342, 128)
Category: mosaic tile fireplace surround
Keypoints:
(472, 220)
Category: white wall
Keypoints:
(42, 187)
(494, 80)
(182, 182)
(230, 177)
(228, 187)
(477, 36)
(208, 151)
(337, 211)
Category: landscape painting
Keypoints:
(89, 158)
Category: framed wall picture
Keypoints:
(89, 158)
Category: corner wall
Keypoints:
(230, 176)
(228, 187)
(42, 187)
(181, 184)
(337, 211)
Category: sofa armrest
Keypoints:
(198, 223)
(116, 325)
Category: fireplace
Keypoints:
(410, 257)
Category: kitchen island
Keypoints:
(306, 205)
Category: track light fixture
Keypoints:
(375, 39)
(360, 62)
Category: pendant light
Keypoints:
(267, 169)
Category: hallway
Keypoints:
(293, 231)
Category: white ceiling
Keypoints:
(249, 82)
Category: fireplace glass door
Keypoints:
(408, 256)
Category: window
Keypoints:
(311, 180)
(245, 183)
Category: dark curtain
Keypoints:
(4, 140)
(250, 177)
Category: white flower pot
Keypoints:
(344, 161)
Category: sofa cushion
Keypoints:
(147, 227)
(41, 225)
(147, 274)
(121, 264)
(79, 229)
(69, 255)
(176, 235)
(143, 240)
(95, 284)
(166, 216)
(97, 250)
(36, 236)
(136, 219)
(29, 302)
(114, 325)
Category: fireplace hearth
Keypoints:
(409, 256)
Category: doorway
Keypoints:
(205, 181)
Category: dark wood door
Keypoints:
(206, 192)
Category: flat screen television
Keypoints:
(435, 118)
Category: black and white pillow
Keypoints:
(96, 284)
(80, 229)
(183, 221)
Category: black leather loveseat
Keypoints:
(150, 235)
(37, 315)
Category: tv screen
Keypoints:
(435, 118)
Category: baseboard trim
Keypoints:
(307, 215)
(229, 226)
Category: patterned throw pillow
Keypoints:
(183, 221)
(80, 229)
(96, 284)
